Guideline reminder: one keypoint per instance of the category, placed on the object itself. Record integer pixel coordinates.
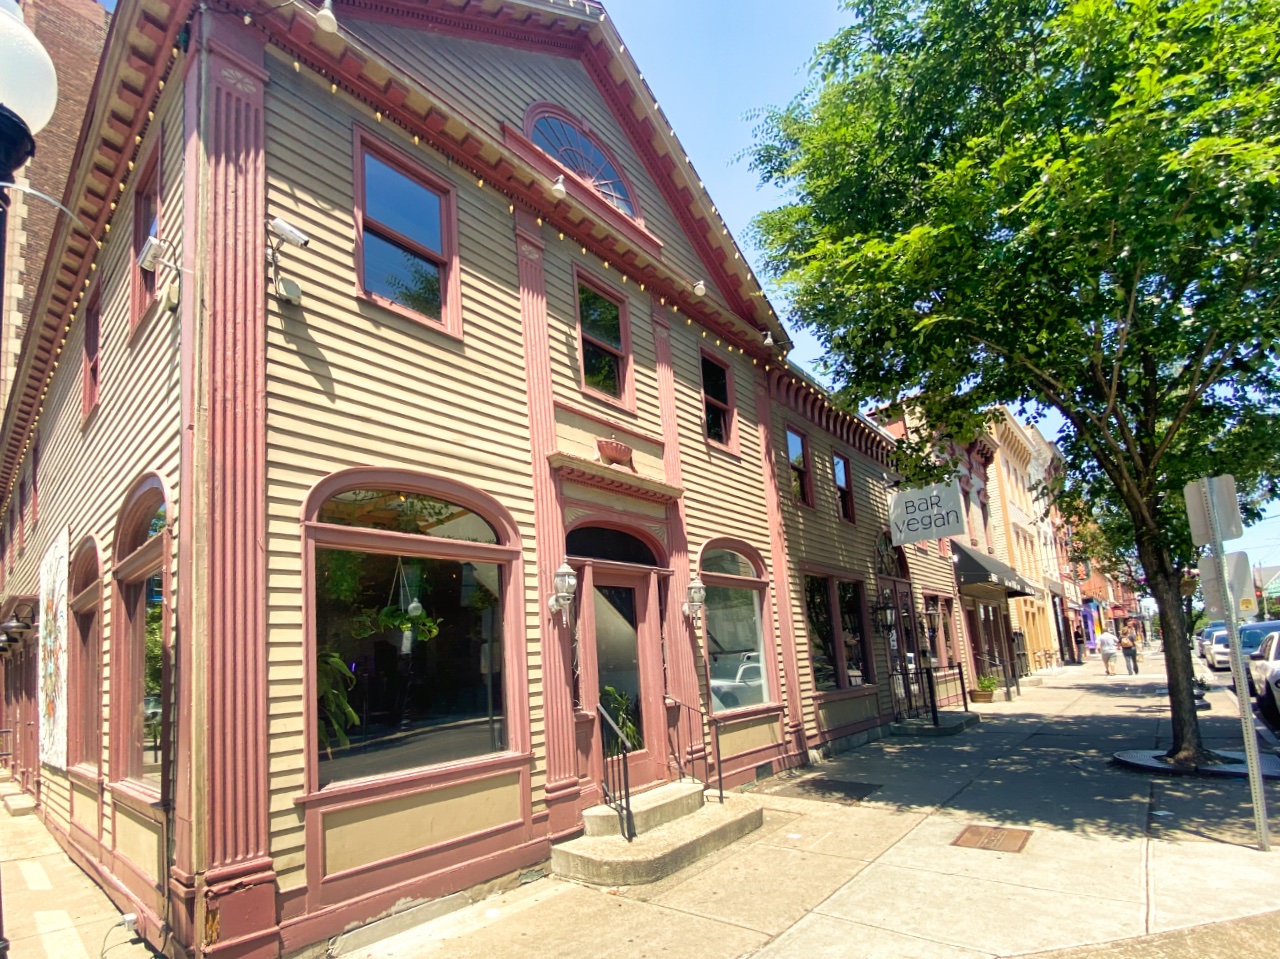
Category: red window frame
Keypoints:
(146, 207)
(446, 259)
(84, 740)
(626, 373)
(91, 359)
(22, 514)
(835, 615)
(803, 471)
(844, 494)
(730, 441)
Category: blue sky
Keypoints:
(710, 63)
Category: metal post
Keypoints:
(1237, 674)
(964, 695)
(933, 694)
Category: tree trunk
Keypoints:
(1165, 582)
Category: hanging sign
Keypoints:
(933, 512)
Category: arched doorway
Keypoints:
(620, 662)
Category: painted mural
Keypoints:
(53, 652)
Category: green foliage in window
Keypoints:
(334, 680)
(620, 707)
(153, 662)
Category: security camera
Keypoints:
(288, 232)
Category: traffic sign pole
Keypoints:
(1211, 503)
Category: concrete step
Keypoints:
(612, 861)
(649, 810)
(20, 804)
(950, 723)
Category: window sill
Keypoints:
(137, 796)
(85, 774)
(142, 317)
(88, 416)
(447, 326)
(363, 791)
(729, 449)
(622, 403)
(744, 713)
(852, 692)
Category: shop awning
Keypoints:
(979, 569)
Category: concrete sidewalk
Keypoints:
(1118, 864)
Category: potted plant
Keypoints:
(987, 686)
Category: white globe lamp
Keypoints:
(28, 89)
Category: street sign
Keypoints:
(1221, 494)
(934, 512)
(1240, 578)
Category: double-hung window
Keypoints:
(798, 460)
(89, 392)
(717, 409)
(146, 224)
(843, 478)
(406, 254)
(602, 324)
(839, 647)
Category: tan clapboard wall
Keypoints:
(493, 84)
(819, 536)
(87, 469)
(350, 384)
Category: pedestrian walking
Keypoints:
(1079, 637)
(1107, 646)
(1129, 647)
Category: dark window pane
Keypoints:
(402, 512)
(797, 485)
(717, 424)
(856, 660)
(152, 677)
(822, 651)
(618, 660)
(736, 647)
(601, 542)
(728, 562)
(401, 276)
(401, 203)
(409, 662)
(715, 380)
(601, 317)
(600, 369)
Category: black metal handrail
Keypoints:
(930, 689)
(701, 716)
(615, 750)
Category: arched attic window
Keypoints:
(564, 138)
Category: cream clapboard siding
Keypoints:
(493, 84)
(819, 536)
(350, 384)
(86, 470)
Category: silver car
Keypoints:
(1263, 665)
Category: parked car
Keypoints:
(1263, 663)
(1218, 654)
(1205, 633)
(746, 687)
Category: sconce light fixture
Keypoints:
(886, 612)
(697, 599)
(768, 338)
(326, 20)
(17, 625)
(564, 585)
(558, 189)
(700, 288)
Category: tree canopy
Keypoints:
(1066, 204)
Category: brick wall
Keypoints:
(73, 32)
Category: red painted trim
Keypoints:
(782, 562)
(626, 360)
(623, 522)
(84, 734)
(800, 397)
(752, 554)
(730, 410)
(447, 258)
(593, 474)
(852, 517)
(806, 485)
(91, 357)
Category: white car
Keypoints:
(1263, 665)
(1205, 634)
(1218, 654)
(1216, 650)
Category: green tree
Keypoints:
(1061, 204)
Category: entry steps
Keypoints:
(676, 824)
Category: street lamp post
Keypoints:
(28, 94)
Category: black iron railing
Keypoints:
(615, 750)
(921, 691)
(691, 724)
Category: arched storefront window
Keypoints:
(603, 542)
(141, 701)
(409, 578)
(733, 625)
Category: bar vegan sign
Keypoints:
(933, 512)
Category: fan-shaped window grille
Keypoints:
(579, 153)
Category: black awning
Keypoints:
(979, 569)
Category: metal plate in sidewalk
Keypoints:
(994, 838)
(821, 788)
